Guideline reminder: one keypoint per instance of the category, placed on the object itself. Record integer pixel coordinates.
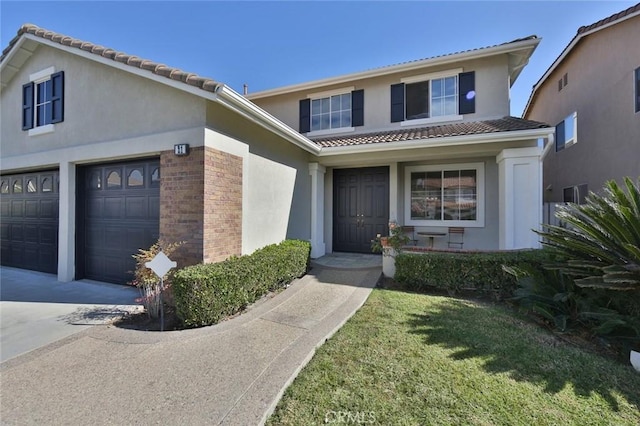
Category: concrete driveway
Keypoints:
(36, 309)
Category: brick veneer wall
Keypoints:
(223, 205)
(201, 204)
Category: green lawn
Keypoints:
(412, 359)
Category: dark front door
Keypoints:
(119, 213)
(29, 221)
(360, 207)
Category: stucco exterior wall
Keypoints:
(276, 202)
(492, 95)
(100, 104)
(600, 73)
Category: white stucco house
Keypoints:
(103, 153)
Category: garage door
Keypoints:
(29, 221)
(119, 213)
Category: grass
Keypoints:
(414, 359)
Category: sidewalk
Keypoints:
(232, 373)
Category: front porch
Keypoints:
(505, 197)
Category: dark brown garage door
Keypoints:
(119, 213)
(29, 221)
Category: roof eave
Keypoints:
(220, 94)
(233, 100)
(528, 45)
(565, 52)
(483, 138)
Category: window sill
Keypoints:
(42, 130)
(446, 223)
(331, 131)
(434, 120)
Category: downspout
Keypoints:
(547, 148)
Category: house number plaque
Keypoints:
(181, 149)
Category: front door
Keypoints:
(360, 207)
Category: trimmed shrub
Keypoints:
(455, 271)
(206, 293)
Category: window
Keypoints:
(567, 132)
(332, 112)
(445, 195)
(637, 89)
(575, 194)
(32, 185)
(43, 101)
(433, 97)
(135, 178)
(4, 187)
(114, 180)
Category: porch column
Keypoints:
(317, 172)
(67, 222)
(520, 197)
(393, 192)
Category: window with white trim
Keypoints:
(567, 132)
(332, 112)
(445, 195)
(43, 101)
(442, 96)
(431, 98)
(637, 78)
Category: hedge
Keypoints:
(206, 293)
(455, 271)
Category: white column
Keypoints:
(317, 172)
(393, 192)
(67, 223)
(520, 197)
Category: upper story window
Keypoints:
(567, 132)
(445, 195)
(43, 101)
(332, 112)
(637, 75)
(443, 96)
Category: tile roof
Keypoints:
(105, 52)
(505, 124)
(609, 19)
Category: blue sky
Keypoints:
(272, 44)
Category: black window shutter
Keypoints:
(397, 102)
(467, 92)
(57, 97)
(560, 136)
(357, 108)
(305, 115)
(27, 106)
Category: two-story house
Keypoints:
(103, 152)
(591, 93)
(429, 144)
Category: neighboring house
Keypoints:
(591, 93)
(103, 152)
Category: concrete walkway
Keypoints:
(232, 373)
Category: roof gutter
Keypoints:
(438, 142)
(249, 110)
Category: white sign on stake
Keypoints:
(160, 264)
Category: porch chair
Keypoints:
(456, 237)
(410, 231)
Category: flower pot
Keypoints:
(634, 357)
